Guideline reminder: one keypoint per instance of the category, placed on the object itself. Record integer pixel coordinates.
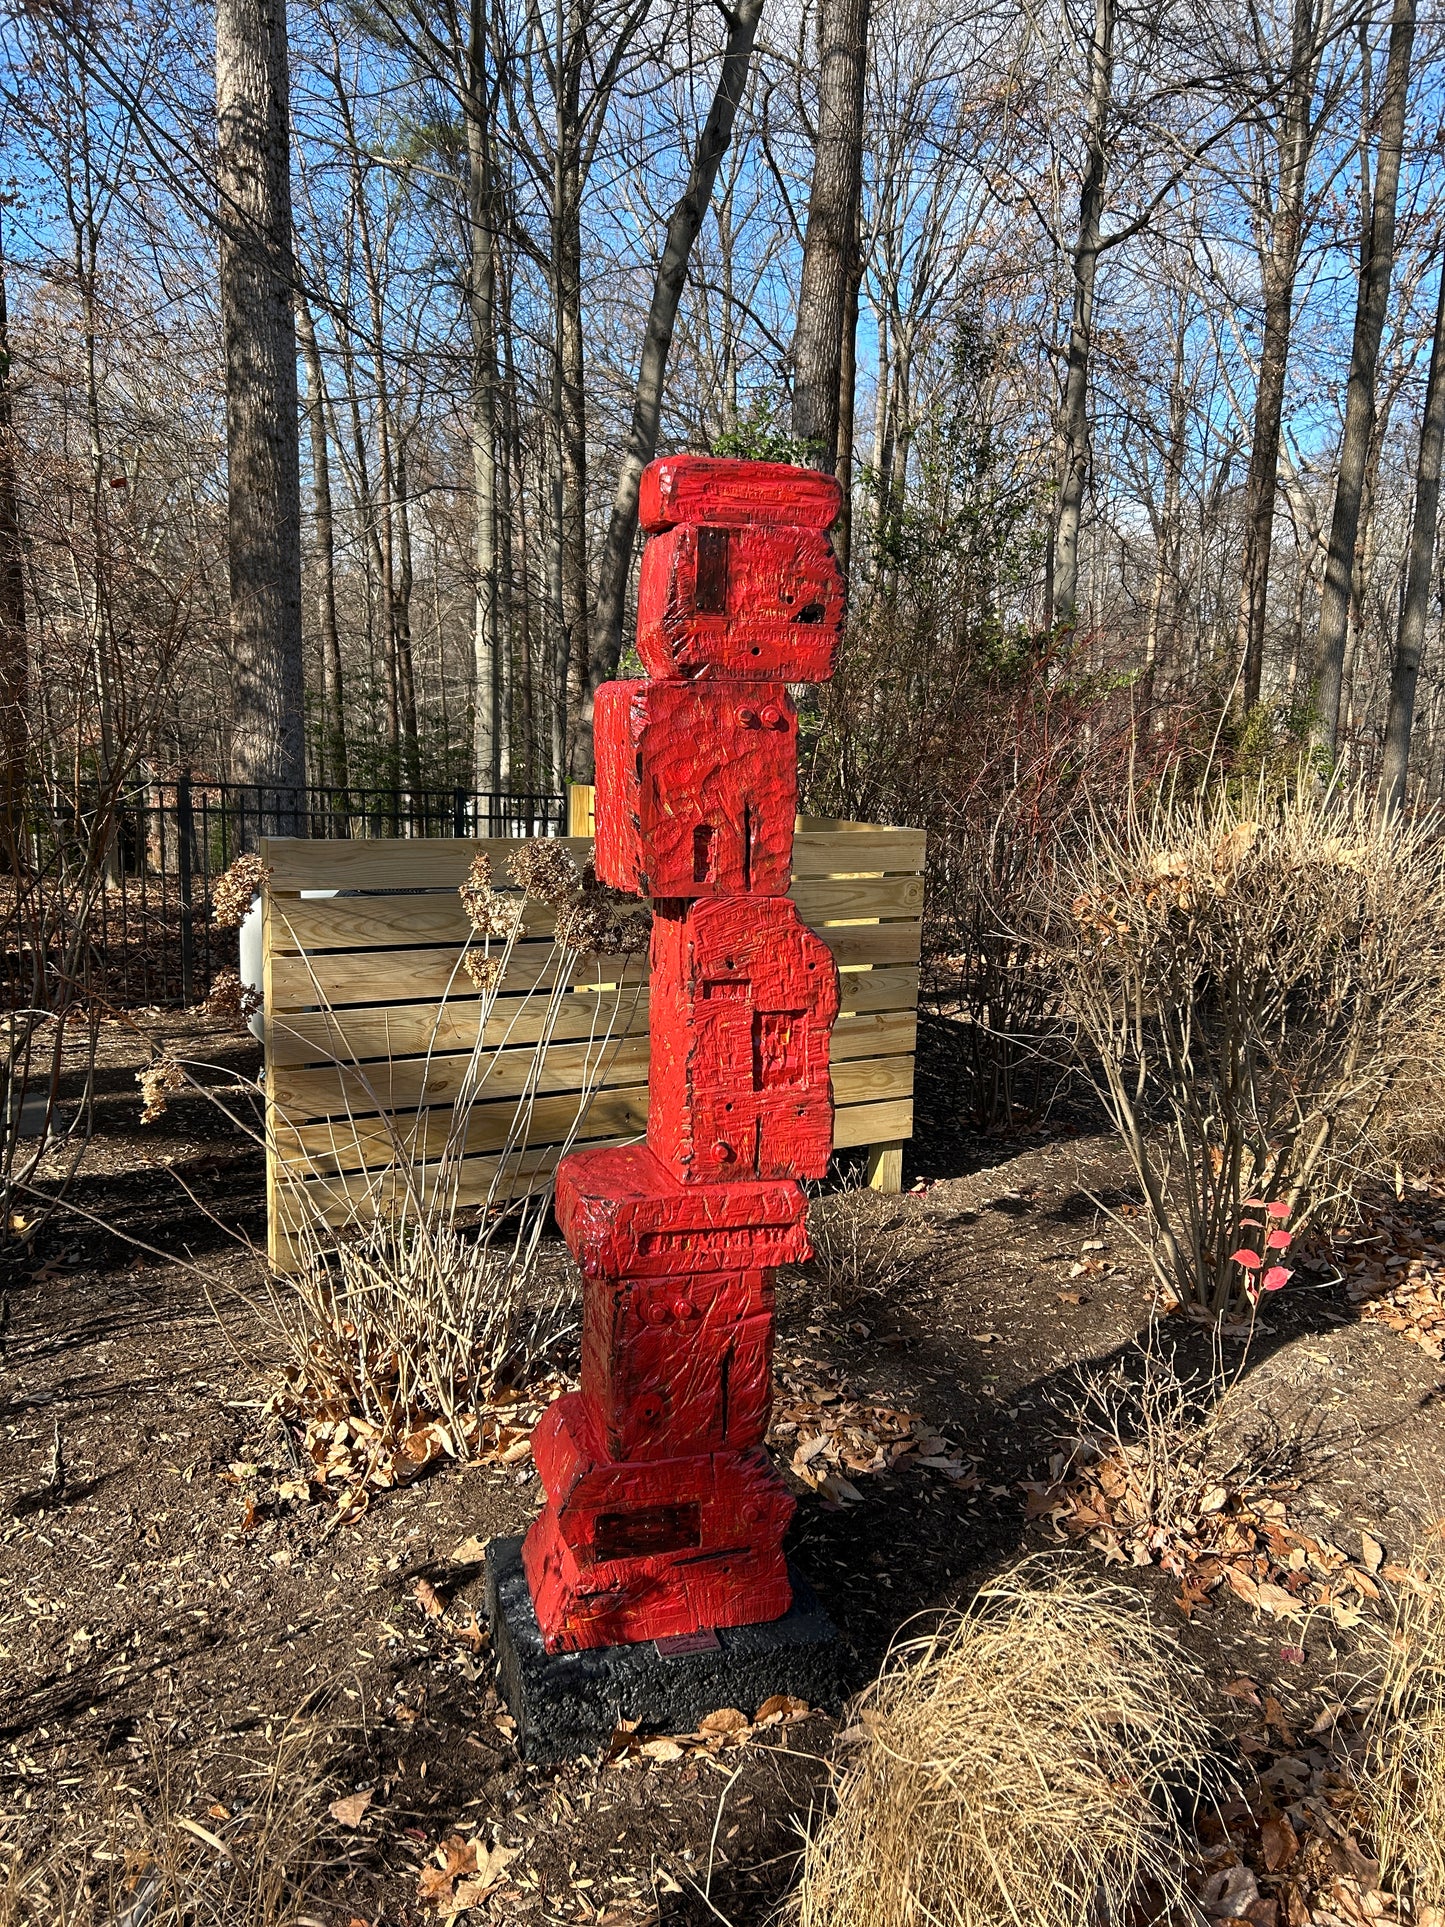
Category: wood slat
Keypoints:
(316, 924)
(351, 1143)
(404, 1083)
(440, 863)
(385, 976)
(296, 1038)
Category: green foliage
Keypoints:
(761, 433)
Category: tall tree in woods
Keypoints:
(14, 644)
(641, 443)
(1377, 258)
(263, 527)
(1063, 590)
(1419, 573)
(334, 762)
(828, 286)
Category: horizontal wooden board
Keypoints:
(316, 924)
(407, 1030)
(340, 977)
(440, 863)
(351, 1143)
(404, 1083)
(348, 1195)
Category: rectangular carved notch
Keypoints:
(778, 1049)
(648, 1529)
(712, 572)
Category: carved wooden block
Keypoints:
(727, 492)
(750, 601)
(678, 1365)
(624, 1215)
(701, 781)
(647, 1549)
(743, 999)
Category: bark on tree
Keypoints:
(263, 522)
(1074, 409)
(828, 288)
(1377, 257)
(333, 688)
(1419, 572)
(14, 643)
(641, 445)
(488, 710)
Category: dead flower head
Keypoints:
(546, 870)
(485, 971)
(236, 889)
(231, 1001)
(490, 915)
(602, 921)
(159, 1082)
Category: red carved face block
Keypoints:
(743, 999)
(753, 600)
(678, 1365)
(696, 788)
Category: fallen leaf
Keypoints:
(425, 1595)
(435, 1883)
(727, 1719)
(781, 1706)
(1374, 1552)
(1279, 1843)
(984, 1338)
(471, 1552)
(1242, 1688)
(1277, 1602)
(349, 1810)
(661, 1750)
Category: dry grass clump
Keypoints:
(168, 1857)
(1025, 1764)
(1255, 979)
(1404, 1779)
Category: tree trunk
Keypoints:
(571, 375)
(847, 403)
(828, 286)
(641, 445)
(1377, 255)
(14, 643)
(481, 289)
(333, 688)
(1419, 570)
(1279, 267)
(1074, 409)
(263, 510)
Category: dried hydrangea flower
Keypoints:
(159, 1082)
(545, 869)
(231, 1001)
(490, 915)
(485, 971)
(236, 889)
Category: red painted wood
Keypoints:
(646, 1549)
(677, 1365)
(701, 785)
(743, 998)
(624, 1215)
(663, 1515)
(717, 489)
(754, 601)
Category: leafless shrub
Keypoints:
(864, 1248)
(1025, 1763)
(1254, 982)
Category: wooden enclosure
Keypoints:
(369, 1019)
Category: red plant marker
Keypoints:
(663, 1515)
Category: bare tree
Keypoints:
(828, 288)
(262, 436)
(1419, 569)
(1377, 259)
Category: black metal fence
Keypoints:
(152, 939)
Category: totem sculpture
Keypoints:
(663, 1518)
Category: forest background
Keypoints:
(1090, 307)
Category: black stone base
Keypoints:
(570, 1703)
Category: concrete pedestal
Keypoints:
(570, 1703)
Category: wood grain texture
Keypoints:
(741, 600)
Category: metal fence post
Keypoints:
(185, 850)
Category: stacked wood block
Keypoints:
(663, 1516)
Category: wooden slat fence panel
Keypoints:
(370, 1017)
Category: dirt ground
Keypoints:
(166, 1615)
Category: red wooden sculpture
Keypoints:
(663, 1515)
